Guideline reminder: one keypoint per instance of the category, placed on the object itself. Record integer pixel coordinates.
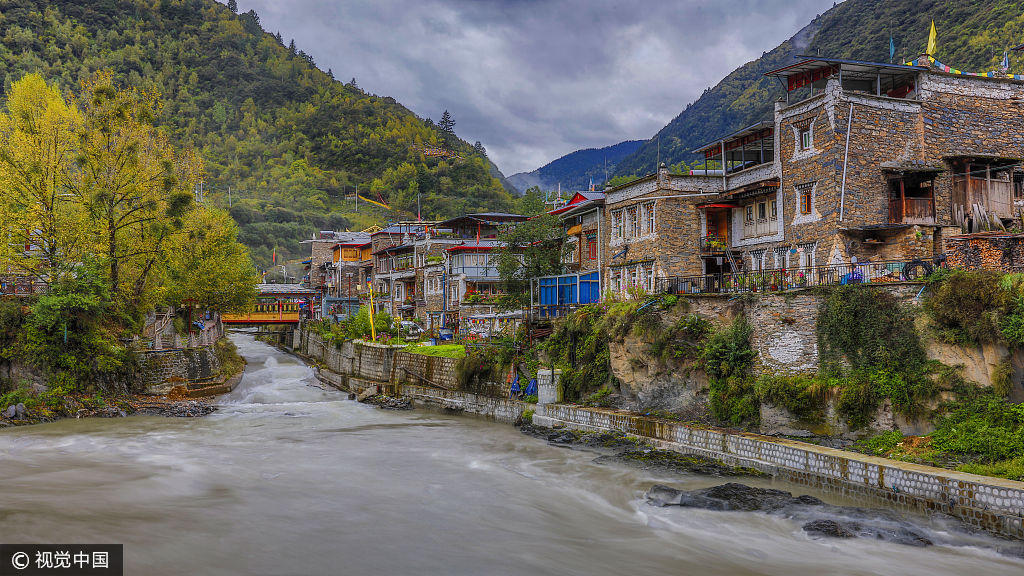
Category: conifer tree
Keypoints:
(233, 6)
(447, 127)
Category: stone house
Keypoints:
(650, 229)
(873, 163)
(470, 281)
(394, 272)
(353, 269)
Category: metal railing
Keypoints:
(550, 311)
(775, 280)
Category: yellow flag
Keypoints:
(931, 40)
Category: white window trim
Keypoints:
(800, 153)
(814, 216)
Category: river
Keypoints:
(291, 478)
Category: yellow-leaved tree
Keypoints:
(43, 227)
(134, 185)
(207, 267)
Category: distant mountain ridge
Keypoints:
(972, 35)
(576, 170)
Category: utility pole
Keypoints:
(229, 197)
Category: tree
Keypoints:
(532, 201)
(42, 228)
(131, 181)
(447, 127)
(528, 250)
(233, 6)
(478, 147)
(207, 266)
(291, 47)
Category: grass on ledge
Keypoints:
(442, 350)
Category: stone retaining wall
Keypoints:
(991, 504)
(378, 362)
(164, 369)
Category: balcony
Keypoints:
(476, 272)
(713, 244)
(911, 211)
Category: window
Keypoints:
(748, 214)
(806, 201)
(773, 210)
(762, 210)
(632, 224)
(592, 247)
(780, 257)
(617, 224)
(806, 138)
(757, 260)
(647, 214)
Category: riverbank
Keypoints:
(992, 504)
(184, 399)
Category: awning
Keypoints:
(703, 206)
(574, 230)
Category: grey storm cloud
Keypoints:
(532, 79)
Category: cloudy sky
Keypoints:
(536, 79)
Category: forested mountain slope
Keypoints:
(576, 170)
(972, 35)
(289, 140)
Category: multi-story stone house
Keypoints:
(394, 273)
(875, 163)
(323, 269)
(470, 280)
(650, 228)
(862, 162)
(353, 271)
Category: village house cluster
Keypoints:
(863, 169)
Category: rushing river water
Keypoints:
(290, 478)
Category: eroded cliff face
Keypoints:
(785, 339)
(648, 384)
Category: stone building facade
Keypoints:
(879, 163)
(651, 229)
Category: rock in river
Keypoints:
(820, 519)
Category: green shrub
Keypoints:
(600, 399)
(982, 427)
(1002, 378)
(968, 306)
(869, 350)
(1012, 469)
(683, 341)
(527, 417)
(802, 395)
(728, 358)
(880, 445)
(474, 370)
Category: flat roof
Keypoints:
(485, 217)
(284, 289)
(811, 63)
(752, 129)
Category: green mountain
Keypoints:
(290, 141)
(972, 35)
(576, 170)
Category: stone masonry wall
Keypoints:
(163, 369)
(991, 504)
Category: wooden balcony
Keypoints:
(911, 211)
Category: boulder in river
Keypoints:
(820, 519)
